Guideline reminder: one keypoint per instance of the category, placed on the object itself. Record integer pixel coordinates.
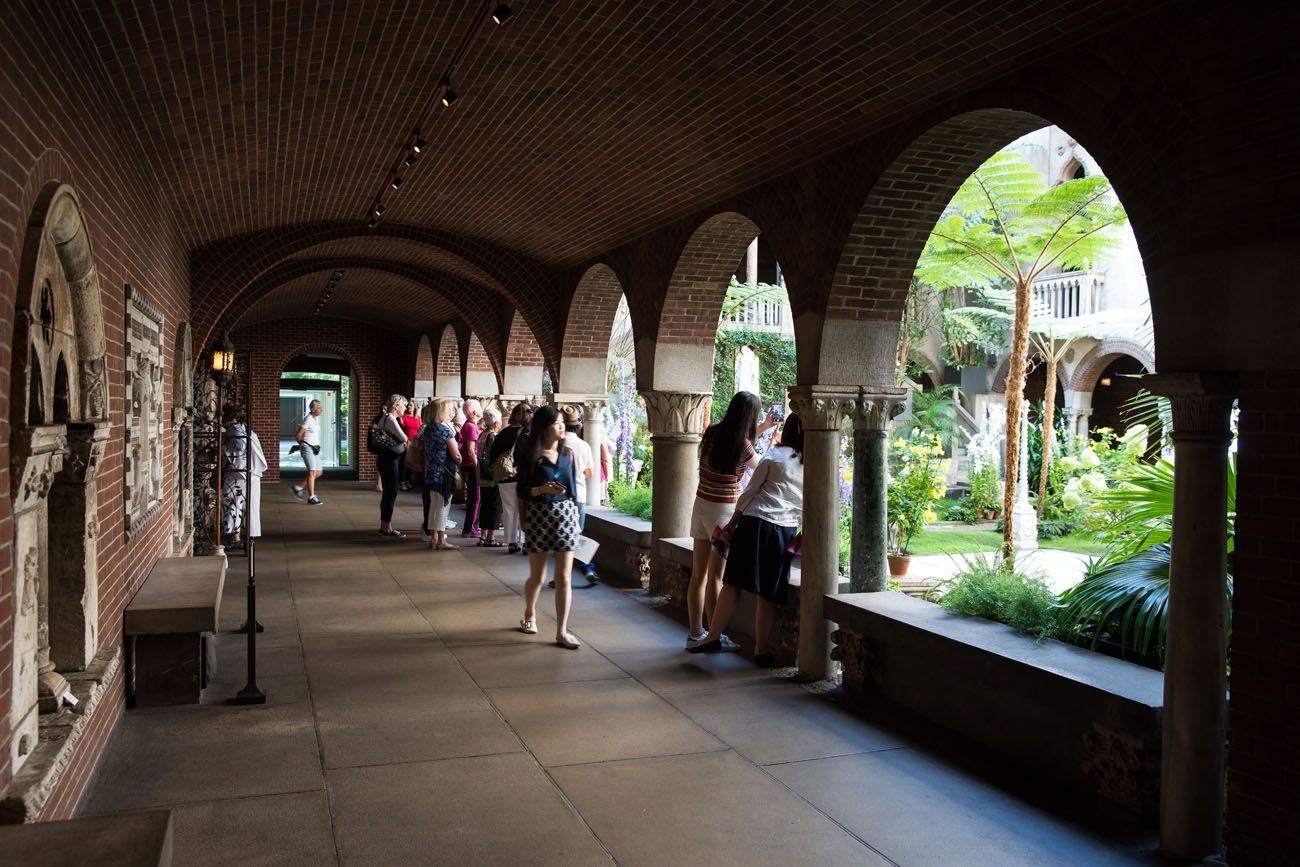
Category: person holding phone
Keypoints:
(760, 533)
(726, 452)
(546, 487)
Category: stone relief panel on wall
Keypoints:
(143, 415)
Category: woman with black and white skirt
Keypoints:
(767, 518)
(547, 488)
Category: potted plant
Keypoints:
(917, 477)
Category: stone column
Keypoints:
(593, 432)
(822, 409)
(676, 420)
(1195, 709)
(868, 567)
(1078, 407)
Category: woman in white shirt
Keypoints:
(767, 517)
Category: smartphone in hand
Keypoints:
(775, 413)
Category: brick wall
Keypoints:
(424, 359)
(63, 123)
(448, 355)
(594, 304)
(380, 367)
(523, 348)
(477, 358)
(1264, 735)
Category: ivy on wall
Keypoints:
(776, 367)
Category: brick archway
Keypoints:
(1091, 365)
(588, 329)
(524, 362)
(675, 352)
(449, 362)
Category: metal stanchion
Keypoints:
(251, 693)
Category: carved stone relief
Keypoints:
(143, 459)
(182, 440)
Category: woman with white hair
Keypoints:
(469, 434)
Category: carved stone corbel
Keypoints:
(676, 415)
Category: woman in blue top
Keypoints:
(441, 463)
(546, 486)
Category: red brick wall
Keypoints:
(523, 349)
(424, 359)
(380, 367)
(591, 313)
(695, 291)
(1264, 736)
(448, 356)
(477, 359)
(77, 777)
(62, 123)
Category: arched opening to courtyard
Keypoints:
(326, 376)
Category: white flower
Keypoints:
(1069, 463)
(1071, 500)
(1094, 482)
(1089, 459)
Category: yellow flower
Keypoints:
(930, 515)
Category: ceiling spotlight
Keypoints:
(379, 208)
(397, 182)
(374, 221)
(418, 146)
(501, 14)
(409, 161)
(449, 96)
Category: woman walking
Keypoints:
(547, 487)
(390, 466)
(766, 519)
(469, 434)
(441, 460)
(503, 463)
(489, 507)
(726, 451)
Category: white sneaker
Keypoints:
(425, 537)
(450, 525)
(692, 641)
(728, 644)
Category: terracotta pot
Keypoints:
(898, 564)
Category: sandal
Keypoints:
(493, 544)
(528, 627)
(446, 546)
(568, 640)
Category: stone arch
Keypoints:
(59, 428)
(524, 361)
(1099, 357)
(449, 365)
(182, 423)
(679, 356)
(422, 387)
(854, 342)
(481, 379)
(587, 331)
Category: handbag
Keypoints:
(795, 548)
(415, 453)
(381, 442)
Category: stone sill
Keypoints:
(26, 795)
(618, 525)
(624, 555)
(679, 551)
(1086, 722)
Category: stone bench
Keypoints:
(1082, 720)
(141, 839)
(675, 557)
(165, 624)
(623, 559)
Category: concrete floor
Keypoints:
(409, 722)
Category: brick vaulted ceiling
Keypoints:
(580, 126)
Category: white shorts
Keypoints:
(707, 515)
(310, 459)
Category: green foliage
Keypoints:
(935, 412)
(1125, 602)
(632, 500)
(984, 588)
(776, 367)
(917, 477)
(972, 334)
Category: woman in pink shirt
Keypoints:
(469, 464)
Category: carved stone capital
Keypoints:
(876, 409)
(676, 414)
(37, 458)
(1201, 404)
(823, 407)
(85, 451)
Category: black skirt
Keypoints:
(758, 561)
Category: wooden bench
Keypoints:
(166, 627)
(141, 839)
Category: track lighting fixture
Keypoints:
(409, 161)
(397, 182)
(379, 209)
(449, 96)
(501, 14)
(418, 146)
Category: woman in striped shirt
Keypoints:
(726, 451)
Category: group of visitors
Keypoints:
(529, 479)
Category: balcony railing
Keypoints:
(1071, 294)
(757, 316)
